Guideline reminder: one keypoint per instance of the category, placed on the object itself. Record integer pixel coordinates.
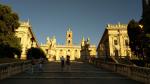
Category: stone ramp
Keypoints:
(80, 73)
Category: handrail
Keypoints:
(141, 74)
(8, 69)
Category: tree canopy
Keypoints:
(139, 35)
(146, 26)
(35, 53)
(9, 22)
(135, 33)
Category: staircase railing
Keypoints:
(141, 74)
(8, 69)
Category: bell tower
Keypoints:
(69, 37)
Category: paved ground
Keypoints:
(80, 73)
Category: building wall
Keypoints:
(92, 50)
(61, 50)
(27, 39)
(114, 42)
(54, 52)
(72, 51)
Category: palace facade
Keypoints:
(54, 51)
(26, 36)
(114, 42)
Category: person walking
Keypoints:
(68, 62)
(41, 61)
(33, 65)
(62, 59)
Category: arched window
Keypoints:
(115, 42)
(75, 50)
(69, 35)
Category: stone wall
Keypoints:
(141, 74)
(9, 69)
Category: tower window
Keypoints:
(69, 35)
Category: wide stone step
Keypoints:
(80, 73)
(69, 81)
(76, 74)
(36, 77)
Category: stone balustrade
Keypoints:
(8, 69)
(141, 74)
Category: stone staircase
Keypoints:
(80, 73)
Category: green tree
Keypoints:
(146, 26)
(136, 33)
(9, 22)
(35, 53)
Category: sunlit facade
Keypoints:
(114, 42)
(26, 36)
(54, 50)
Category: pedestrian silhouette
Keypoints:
(62, 59)
(33, 65)
(68, 62)
(41, 61)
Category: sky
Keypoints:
(87, 18)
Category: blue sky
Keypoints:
(88, 18)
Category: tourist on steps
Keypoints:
(62, 59)
(68, 63)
